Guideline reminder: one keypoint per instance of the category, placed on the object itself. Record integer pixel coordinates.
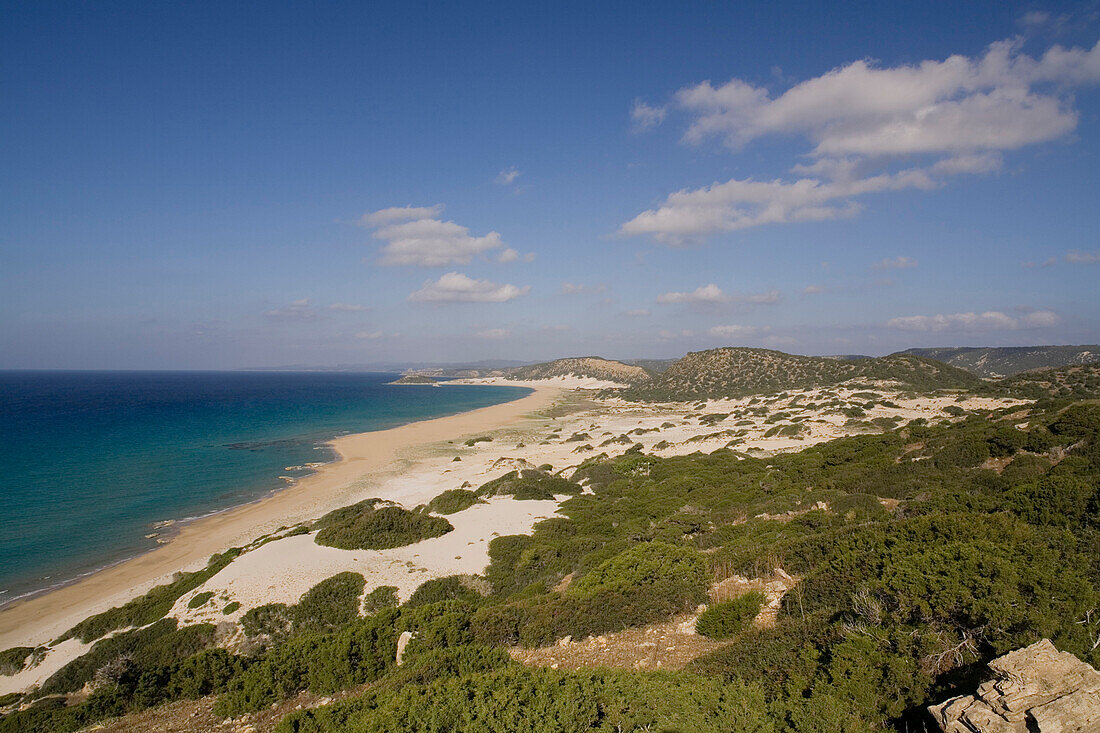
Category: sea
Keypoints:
(96, 466)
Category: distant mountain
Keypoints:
(1001, 361)
(737, 372)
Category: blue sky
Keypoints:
(187, 185)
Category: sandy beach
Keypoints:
(43, 617)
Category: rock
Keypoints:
(565, 640)
(402, 642)
(1037, 689)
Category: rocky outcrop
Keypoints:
(1037, 689)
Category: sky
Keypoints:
(226, 185)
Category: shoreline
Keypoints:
(41, 617)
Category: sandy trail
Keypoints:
(36, 619)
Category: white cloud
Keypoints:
(511, 255)
(568, 288)
(1048, 262)
(988, 321)
(645, 116)
(861, 118)
(298, 310)
(742, 204)
(493, 333)
(399, 213)
(713, 295)
(637, 313)
(813, 289)
(1082, 258)
(454, 287)
(895, 263)
(507, 176)
(734, 331)
(958, 104)
(413, 236)
(557, 327)
(667, 335)
(348, 307)
(368, 335)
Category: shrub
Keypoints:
(330, 604)
(454, 500)
(384, 596)
(651, 567)
(270, 619)
(13, 660)
(452, 588)
(200, 599)
(362, 526)
(202, 674)
(231, 607)
(529, 484)
(153, 605)
(729, 618)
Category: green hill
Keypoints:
(1067, 382)
(737, 372)
(593, 367)
(1007, 360)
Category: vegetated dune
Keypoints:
(1000, 361)
(737, 372)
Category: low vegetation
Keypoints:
(368, 526)
(921, 553)
(452, 501)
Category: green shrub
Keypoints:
(153, 605)
(729, 618)
(384, 596)
(231, 607)
(529, 484)
(330, 604)
(202, 674)
(200, 599)
(547, 701)
(364, 526)
(648, 567)
(452, 588)
(454, 500)
(271, 619)
(13, 660)
(1077, 422)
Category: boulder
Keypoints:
(1037, 689)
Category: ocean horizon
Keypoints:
(99, 465)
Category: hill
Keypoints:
(1004, 361)
(1067, 382)
(737, 372)
(585, 366)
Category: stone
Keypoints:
(1036, 689)
(402, 642)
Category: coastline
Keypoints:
(38, 618)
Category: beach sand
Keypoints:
(46, 616)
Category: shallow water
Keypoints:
(93, 462)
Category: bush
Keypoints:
(202, 674)
(651, 567)
(529, 484)
(547, 701)
(13, 660)
(452, 588)
(384, 596)
(362, 526)
(454, 500)
(332, 603)
(200, 599)
(271, 619)
(729, 618)
(231, 607)
(153, 605)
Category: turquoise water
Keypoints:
(92, 460)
